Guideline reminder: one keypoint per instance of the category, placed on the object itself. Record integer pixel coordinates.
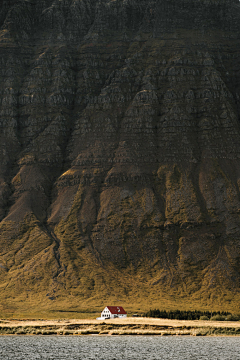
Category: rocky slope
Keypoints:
(119, 151)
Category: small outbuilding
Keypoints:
(112, 312)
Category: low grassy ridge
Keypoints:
(128, 326)
(71, 305)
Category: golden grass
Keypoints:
(123, 321)
(127, 326)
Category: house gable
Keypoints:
(105, 312)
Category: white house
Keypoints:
(112, 312)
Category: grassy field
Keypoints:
(127, 326)
(68, 306)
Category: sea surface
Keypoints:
(119, 348)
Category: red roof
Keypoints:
(116, 310)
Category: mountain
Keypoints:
(119, 154)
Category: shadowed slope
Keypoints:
(120, 150)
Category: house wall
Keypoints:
(106, 313)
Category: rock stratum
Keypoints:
(119, 152)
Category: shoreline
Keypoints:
(127, 326)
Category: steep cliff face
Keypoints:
(120, 149)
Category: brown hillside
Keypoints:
(119, 154)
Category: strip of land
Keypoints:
(126, 326)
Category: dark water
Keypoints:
(118, 348)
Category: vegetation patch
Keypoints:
(192, 315)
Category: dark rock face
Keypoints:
(200, 15)
(120, 146)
